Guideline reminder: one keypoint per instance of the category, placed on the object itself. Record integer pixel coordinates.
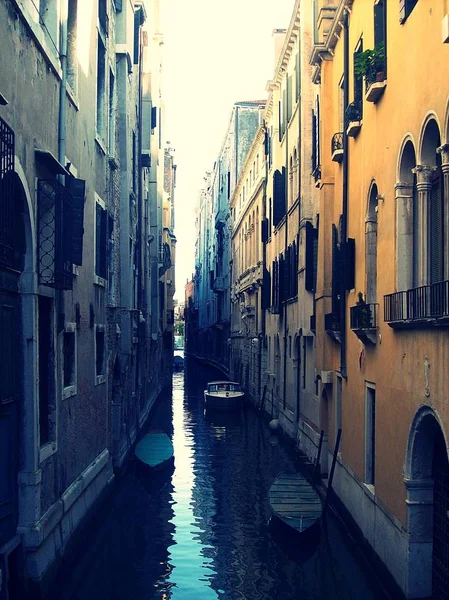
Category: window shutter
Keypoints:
(264, 230)
(335, 270)
(154, 117)
(266, 290)
(317, 131)
(77, 188)
(314, 156)
(289, 98)
(280, 120)
(358, 80)
(309, 257)
(284, 111)
(281, 268)
(349, 264)
(297, 77)
(279, 196)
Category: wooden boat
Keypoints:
(294, 502)
(223, 395)
(155, 450)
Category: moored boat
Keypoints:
(223, 395)
(295, 503)
(155, 450)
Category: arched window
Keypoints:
(371, 246)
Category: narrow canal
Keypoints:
(202, 531)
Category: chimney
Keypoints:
(279, 37)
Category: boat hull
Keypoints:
(155, 451)
(216, 401)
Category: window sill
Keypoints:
(73, 97)
(369, 490)
(100, 281)
(353, 128)
(375, 91)
(68, 392)
(99, 379)
(46, 451)
(100, 144)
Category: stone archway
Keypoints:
(19, 429)
(426, 478)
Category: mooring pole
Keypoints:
(331, 476)
(318, 456)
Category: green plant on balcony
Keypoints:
(370, 64)
(364, 312)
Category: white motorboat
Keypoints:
(223, 395)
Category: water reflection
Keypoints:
(203, 531)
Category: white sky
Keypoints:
(215, 53)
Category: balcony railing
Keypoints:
(353, 112)
(427, 304)
(353, 118)
(337, 146)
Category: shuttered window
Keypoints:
(100, 241)
(380, 28)
(279, 204)
(289, 98)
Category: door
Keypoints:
(440, 562)
(8, 406)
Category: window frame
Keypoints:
(70, 390)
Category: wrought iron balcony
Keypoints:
(427, 305)
(363, 319)
(337, 147)
(332, 326)
(353, 118)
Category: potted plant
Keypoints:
(370, 64)
(364, 311)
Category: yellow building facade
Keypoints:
(382, 299)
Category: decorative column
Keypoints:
(444, 152)
(424, 184)
(404, 235)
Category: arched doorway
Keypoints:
(12, 261)
(427, 483)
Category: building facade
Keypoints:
(382, 275)
(80, 131)
(213, 268)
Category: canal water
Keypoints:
(202, 530)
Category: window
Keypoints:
(316, 140)
(370, 433)
(69, 360)
(289, 98)
(358, 81)
(99, 354)
(101, 88)
(103, 17)
(72, 55)
(380, 29)
(100, 239)
(405, 8)
(111, 128)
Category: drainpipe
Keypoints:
(59, 294)
(345, 195)
(299, 173)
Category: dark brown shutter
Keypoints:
(335, 270)
(266, 290)
(279, 197)
(77, 188)
(309, 285)
(264, 230)
(349, 263)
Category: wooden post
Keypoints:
(318, 456)
(331, 476)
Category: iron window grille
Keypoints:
(55, 219)
(6, 195)
(363, 316)
(337, 142)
